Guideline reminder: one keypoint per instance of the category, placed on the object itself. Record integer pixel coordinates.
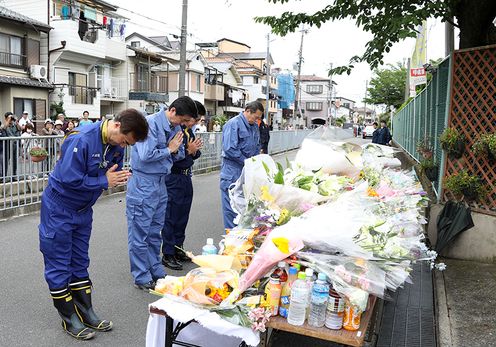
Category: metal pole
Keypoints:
(298, 82)
(365, 100)
(449, 38)
(182, 55)
(267, 89)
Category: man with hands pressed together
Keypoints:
(90, 162)
(146, 198)
(180, 192)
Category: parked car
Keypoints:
(368, 131)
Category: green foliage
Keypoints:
(221, 119)
(387, 87)
(427, 164)
(451, 139)
(485, 145)
(465, 184)
(38, 152)
(424, 147)
(389, 22)
(57, 107)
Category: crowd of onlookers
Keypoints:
(15, 152)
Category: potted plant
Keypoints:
(453, 142)
(424, 148)
(430, 168)
(38, 154)
(486, 146)
(466, 185)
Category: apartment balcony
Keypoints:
(148, 88)
(113, 88)
(82, 95)
(214, 92)
(92, 45)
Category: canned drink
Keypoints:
(351, 318)
(335, 303)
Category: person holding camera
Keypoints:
(12, 129)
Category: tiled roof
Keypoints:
(11, 15)
(25, 82)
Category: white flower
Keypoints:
(441, 266)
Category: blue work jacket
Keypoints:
(78, 178)
(240, 141)
(152, 155)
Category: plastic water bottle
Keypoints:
(318, 303)
(286, 292)
(209, 248)
(309, 280)
(299, 301)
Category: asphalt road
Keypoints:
(27, 315)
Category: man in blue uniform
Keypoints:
(240, 141)
(146, 198)
(90, 162)
(180, 192)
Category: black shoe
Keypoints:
(181, 255)
(145, 286)
(81, 293)
(171, 262)
(62, 300)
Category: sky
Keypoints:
(333, 43)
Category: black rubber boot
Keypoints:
(181, 255)
(62, 300)
(81, 292)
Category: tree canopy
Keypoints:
(387, 86)
(390, 21)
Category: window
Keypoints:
(198, 83)
(314, 89)
(135, 44)
(35, 107)
(255, 80)
(78, 89)
(11, 48)
(314, 106)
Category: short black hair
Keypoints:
(86, 112)
(7, 114)
(201, 109)
(185, 106)
(254, 106)
(132, 121)
(375, 123)
(383, 121)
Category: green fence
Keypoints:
(426, 116)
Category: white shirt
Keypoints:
(23, 121)
(202, 128)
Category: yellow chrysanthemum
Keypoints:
(265, 194)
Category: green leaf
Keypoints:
(266, 167)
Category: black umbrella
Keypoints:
(453, 219)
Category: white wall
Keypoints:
(35, 9)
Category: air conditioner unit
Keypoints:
(38, 72)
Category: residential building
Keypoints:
(169, 51)
(87, 54)
(23, 53)
(286, 93)
(343, 107)
(315, 100)
(251, 66)
(223, 91)
(367, 115)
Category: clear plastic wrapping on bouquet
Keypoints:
(207, 286)
(325, 149)
(349, 271)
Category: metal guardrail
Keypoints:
(22, 181)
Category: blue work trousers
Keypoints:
(146, 201)
(64, 241)
(180, 193)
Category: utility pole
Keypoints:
(267, 89)
(182, 54)
(365, 99)
(329, 100)
(298, 82)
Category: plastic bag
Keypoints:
(238, 243)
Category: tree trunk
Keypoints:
(475, 20)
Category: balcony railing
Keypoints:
(112, 87)
(82, 94)
(11, 59)
(146, 83)
(214, 92)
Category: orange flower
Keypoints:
(372, 192)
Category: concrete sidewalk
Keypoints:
(465, 300)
